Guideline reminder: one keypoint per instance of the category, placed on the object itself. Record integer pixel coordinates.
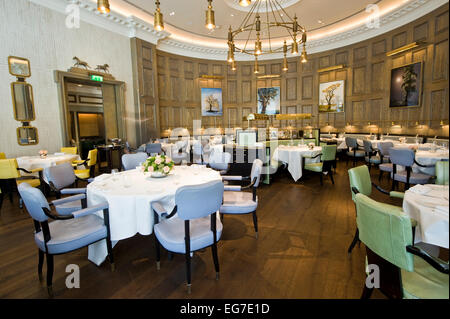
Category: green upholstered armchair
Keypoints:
(328, 157)
(405, 271)
(442, 173)
(360, 179)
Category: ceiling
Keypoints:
(189, 15)
(329, 23)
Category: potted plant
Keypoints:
(158, 166)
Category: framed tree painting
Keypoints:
(269, 100)
(406, 85)
(331, 97)
(212, 102)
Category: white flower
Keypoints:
(168, 160)
(166, 169)
(158, 161)
(150, 169)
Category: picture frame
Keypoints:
(212, 102)
(406, 85)
(332, 97)
(269, 100)
(19, 67)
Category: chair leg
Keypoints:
(40, 264)
(49, 274)
(1, 200)
(158, 254)
(331, 176)
(188, 271)
(380, 176)
(367, 292)
(354, 241)
(255, 224)
(321, 179)
(110, 254)
(215, 259)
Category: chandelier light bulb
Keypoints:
(244, 3)
(103, 6)
(210, 19)
(158, 20)
(294, 47)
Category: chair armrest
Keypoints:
(90, 210)
(30, 171)
(159, 209)
(426, 166)
(397, 195)
(73, 191)
(436, 263)
(380, 189)
(232, 188)
(234, 178)
(311, 157)
(68, 199)
(80, 163)
(49, 214)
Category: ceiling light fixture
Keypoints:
(103, 6)
(159, 20)
(253, 24)
(210, 20)
(244, 3)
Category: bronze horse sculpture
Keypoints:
(104, 68)
(81, 63)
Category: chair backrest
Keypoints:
(131, 161)
(329, 153)
(404, 157)
(360, 179)
(386, 230)
(368, 146)
(256, 171)
(34, 201)
(442, 173)
(153, 148)
(92, 156)
(182, 145)
(219, 160)
(187, 199)
(351, 142)
(383, 147)
(69, 150)
(61, 175)
(2, 155)
(8, 168)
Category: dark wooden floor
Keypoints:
(305, 230)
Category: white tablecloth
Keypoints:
(33, 162)
(429, 158)
(129, 195)
(429, 205)
(293, 156)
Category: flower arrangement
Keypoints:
(43, 153)
(159, 165)
(311, 146)
(402, 140)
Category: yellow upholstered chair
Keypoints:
(9, 170)
(69, 150)
(89, 163)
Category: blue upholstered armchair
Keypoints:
(66, 233)
(237, 201)
(60, 178)
(131, 161)
(194, 227)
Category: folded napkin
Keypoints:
(420, 189)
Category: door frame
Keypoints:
(61, 77)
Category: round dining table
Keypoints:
(130, 194)
(293, 156)
(429, 206)
(32, 162)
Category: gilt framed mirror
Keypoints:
(23, 101)
(27, 135)
(19, 67)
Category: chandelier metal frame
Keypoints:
(281, 19)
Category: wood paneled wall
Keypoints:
(367, 76)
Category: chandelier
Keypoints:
(265, 16)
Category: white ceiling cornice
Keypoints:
(135, 27)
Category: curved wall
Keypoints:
(178, 81)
